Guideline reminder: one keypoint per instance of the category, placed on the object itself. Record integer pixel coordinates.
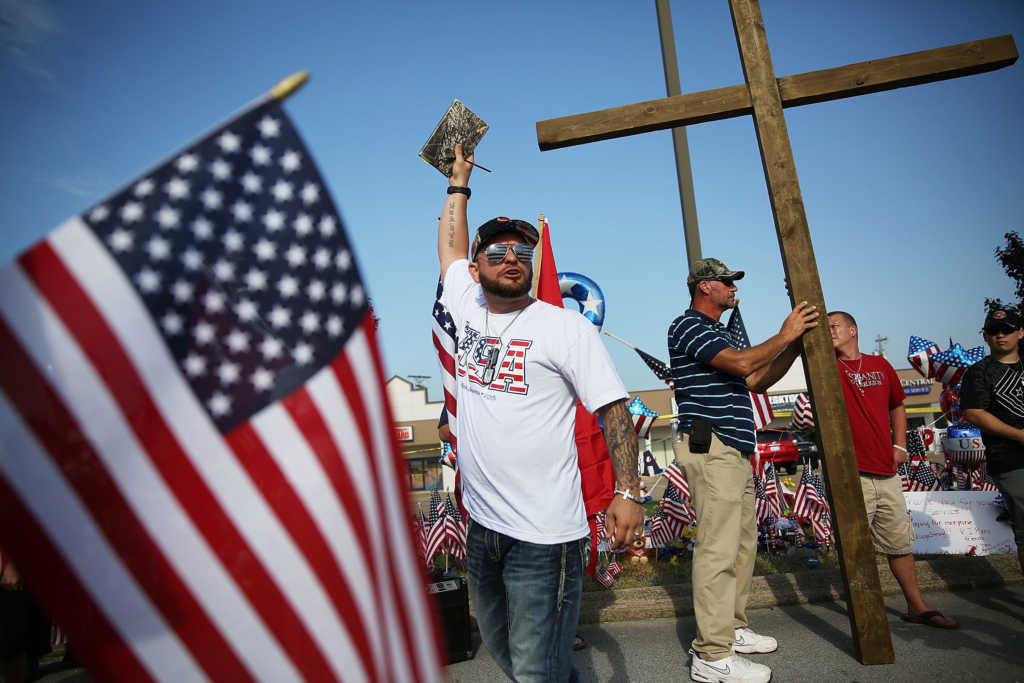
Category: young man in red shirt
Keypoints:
(878, 420)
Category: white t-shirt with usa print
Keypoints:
(517, 447)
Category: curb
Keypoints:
(954, 572)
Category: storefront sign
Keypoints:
(958, 523)
(403, 433)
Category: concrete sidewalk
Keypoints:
(814, 644)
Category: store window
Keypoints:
(425, 474)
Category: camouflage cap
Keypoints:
(712, 269)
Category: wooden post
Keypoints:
(865, 606)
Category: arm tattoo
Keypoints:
(621, 441)
(451, 224)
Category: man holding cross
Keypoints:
(522, 364)
(713, 381)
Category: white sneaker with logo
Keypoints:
(747, 641)
(729, 670)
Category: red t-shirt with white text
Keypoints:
(869, 411)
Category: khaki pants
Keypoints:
(722, 487)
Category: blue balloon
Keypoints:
(585, 293)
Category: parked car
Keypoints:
(781, 446)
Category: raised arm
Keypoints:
(757, 358)
(625, 518)
(453, 229)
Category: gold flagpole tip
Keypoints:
(290, 85)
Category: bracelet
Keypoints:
(626, 495)
(453, 189)
(899, 447)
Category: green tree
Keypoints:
(1011, 257)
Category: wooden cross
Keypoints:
(764, 97)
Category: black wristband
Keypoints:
(453, 189)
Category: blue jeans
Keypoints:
(527, 602)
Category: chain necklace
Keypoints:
(855, 376)
(492, 356)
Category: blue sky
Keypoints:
(907, 192)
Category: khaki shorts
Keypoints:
(892, 529)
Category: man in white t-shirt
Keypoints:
(522, 364)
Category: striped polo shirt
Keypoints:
(703, 391)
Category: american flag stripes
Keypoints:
(191, 391)
(446, 340)
(766, 489)
(437, 533)
(455, 530)
(922, 478)
(675, 476)
(675, 508)
(803, 415)
(736, 330)
(810, 504)
(982, 480)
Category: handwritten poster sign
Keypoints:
(955, 522)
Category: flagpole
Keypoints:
(619, 339)
(289, 85)
(538, 254)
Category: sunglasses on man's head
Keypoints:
(498, 252)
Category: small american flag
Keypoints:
(803, 414)
(674, 507)
(614, 568)
(923, 479)
(763, 508)
(675, 476)
(661, 532)
(602, 576)
(762, 407)
(982, 480)
(662, 371)
(192, 392)
(455, 530)
(436, 527)
(810, 503)
(600, 526)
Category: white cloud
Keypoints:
(25, 27)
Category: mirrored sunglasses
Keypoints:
(498, 252)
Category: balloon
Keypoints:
(585, 293)
(949, 402)
(951, 364)
(643, 417)
(963, 445)
(919, 354)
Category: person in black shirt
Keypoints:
(992, 398)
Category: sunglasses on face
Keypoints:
(498, 252)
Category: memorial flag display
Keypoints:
(196, 431)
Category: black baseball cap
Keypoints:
(1001, 319)
(497, 226)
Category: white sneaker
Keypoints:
(728, 670)
(747, 641)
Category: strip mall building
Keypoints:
(416, 421)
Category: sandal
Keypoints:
(930, 618)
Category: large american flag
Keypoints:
(196, 435)
(762, 407)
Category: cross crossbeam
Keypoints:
(877, 75)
